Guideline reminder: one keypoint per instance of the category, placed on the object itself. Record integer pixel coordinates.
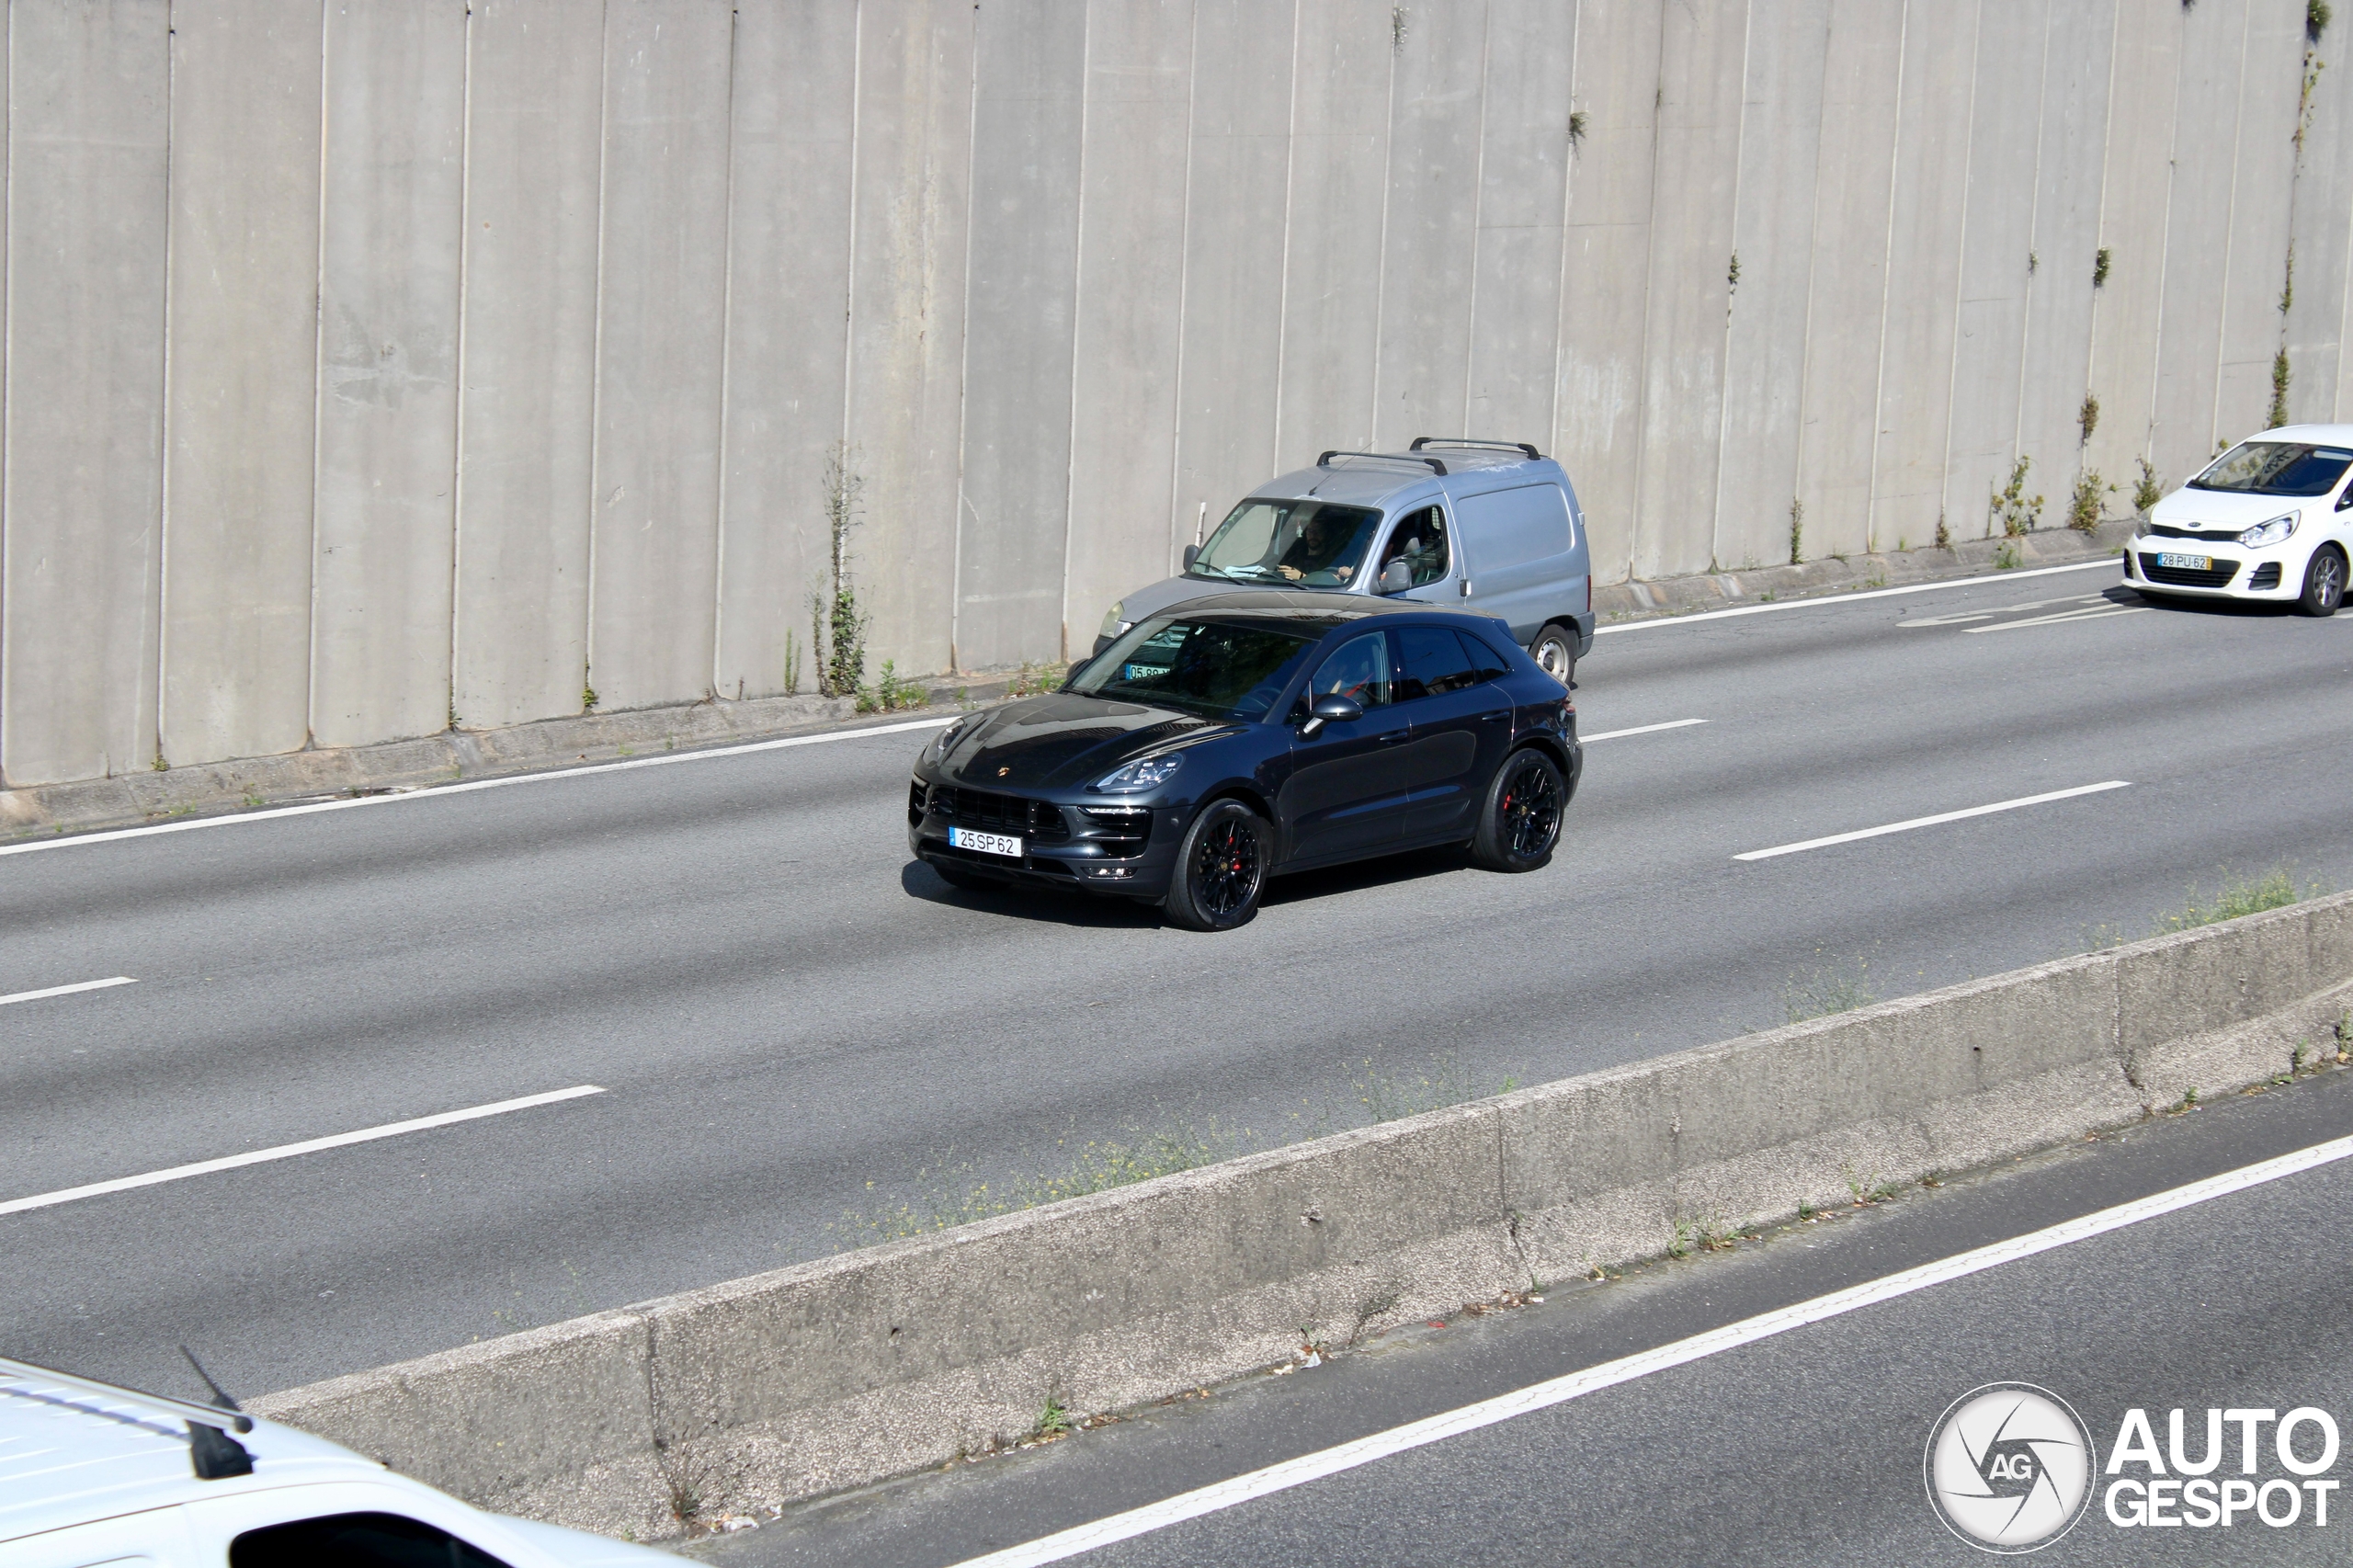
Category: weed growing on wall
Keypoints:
(2280, 371)
(1943, 534)
(2011, 507)
(838, 624)
(1398, 19)
(2150, 490)
(2083, 506)
(791, 667)
(1576, 131)
(892, 692)
(2087, 416)
(1797, 531)
(2316, 19)
(2099, 268)
(588, 699)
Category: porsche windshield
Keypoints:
(1311, 544)
(1219, 670)
(2276, 468)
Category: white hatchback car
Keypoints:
(2271, 518)
(94, 1474)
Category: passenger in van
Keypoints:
(1314, 550)
(1420, 542)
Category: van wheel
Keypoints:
(2324, 582)
(1555, 649)
(1221, 869)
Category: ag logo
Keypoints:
(2009, 1466)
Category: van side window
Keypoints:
(1419, 540)
(356, 1540)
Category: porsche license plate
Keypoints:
(2188, 562)
(985, 842)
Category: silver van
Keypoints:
(1486, 526)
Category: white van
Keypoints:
(93, 1474)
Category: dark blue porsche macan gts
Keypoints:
(1237, 737)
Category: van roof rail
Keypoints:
(1436, 467)
(1528, 446)
(163, 1404)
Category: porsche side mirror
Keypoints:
(1330, 709)
(1396, 577)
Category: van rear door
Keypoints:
(1519, 555)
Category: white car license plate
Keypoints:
(986, 843)
(2188, 562)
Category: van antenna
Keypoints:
(213, 1453)
(219, 1395)
(1200, 521)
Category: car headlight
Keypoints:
(1112, 624)
(945, 742)
(1144, 773)
(2271, 532)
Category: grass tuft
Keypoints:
(1832, 988)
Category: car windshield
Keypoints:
(1217, 669)
(1311, 544)
(2276, 468)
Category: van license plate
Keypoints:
(2188, 562)
(986, 843)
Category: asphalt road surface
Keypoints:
(789, 1023)
(1802, 1447)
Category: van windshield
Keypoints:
(1310, 544)
(2276, 468)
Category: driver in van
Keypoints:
(1313, 550)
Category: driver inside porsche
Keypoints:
(1357, 670)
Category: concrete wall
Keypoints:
(758, 1391)
(372, 367)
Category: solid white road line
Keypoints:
(288, 1150)
(67, 990)
(1828, 599)
(1644, 730)
(436, 791)
(1575, 1385)
(1931, 822)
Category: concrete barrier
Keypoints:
(830, 1374)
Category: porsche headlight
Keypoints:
(1112, 623)
(2271, 532)
(946, 740)
(1144, 773)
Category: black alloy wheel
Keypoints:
(1521, 825)
(2324, 583)
(1221, 869)
(1555, 650)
